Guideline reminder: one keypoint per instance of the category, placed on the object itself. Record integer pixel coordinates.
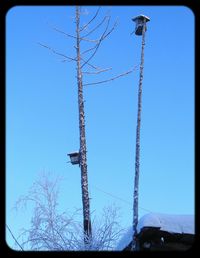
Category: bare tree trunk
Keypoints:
(84, 60)
(137, 154)
(83, 151)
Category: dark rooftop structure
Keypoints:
(161, 232)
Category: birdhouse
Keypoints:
(74, 157)
(140, 21)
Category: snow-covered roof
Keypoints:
(141, 16)
(169, 223)
(165, 222)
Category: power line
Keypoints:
(14, 237)
(119, 198)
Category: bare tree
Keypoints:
(54, 231)
(107, 231)
(83, 152)
(83, 61)
(49, 229)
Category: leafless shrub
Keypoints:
(54, 231)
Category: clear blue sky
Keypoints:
(42, 110)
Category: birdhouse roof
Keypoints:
(141, 17)
(75, 153)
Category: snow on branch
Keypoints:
(51, 230)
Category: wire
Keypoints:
(116, 197)
(14, 237)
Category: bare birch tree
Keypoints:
(83, 152)
(85, 67)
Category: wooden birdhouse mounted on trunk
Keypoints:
(74, 157)
(140, 21)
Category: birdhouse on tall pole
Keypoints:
(140, 21)
(140, 29)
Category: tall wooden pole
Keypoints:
(137, 151)
(83, 151)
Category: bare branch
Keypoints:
(67, 57)
(91, 65)
(62, 32)
(85, 26)
(111, 79)
(111, 30)
(88, 50)
(100, 71)
(57, 53)
(103, 36)
(74, 37)
(95, 28)
(89, 40)
(95, 50)
(14, 238)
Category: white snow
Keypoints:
(165, 222)
(170, 223)
(125, 240)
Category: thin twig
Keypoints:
(74, 37)
(96, 48)
(91, 65)
(100, 71)
(14, 237)
(88, 50)
(90, 40)
(98, 44)
(111, 79)
(111, 30)
(57, 53)
(95, 28)
(62, 32)
(85, 26)
(103, 36)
